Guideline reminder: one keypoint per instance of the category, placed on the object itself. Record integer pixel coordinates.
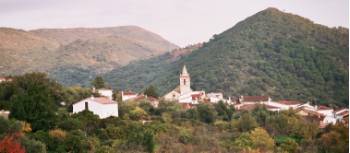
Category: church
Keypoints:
(183, 92)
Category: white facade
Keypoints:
(185, 82)
(282, 106)
(183, 93)
(173, 95)
(106, 93)
(101, 106)
(326, 112)
(215, 97)
(128, 96)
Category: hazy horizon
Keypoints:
(181, 22)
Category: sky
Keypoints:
(182, 22)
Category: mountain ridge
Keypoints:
(270, 53)
(95, 49)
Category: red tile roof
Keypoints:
(345, 113)
(129, 93)
(289, 102)
(141, 97)
(103, 100)
(196, 96)
(322, 107)
(248, 107)
(270, 106)
(255, 98)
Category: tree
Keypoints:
(33, 146)
(335, 139)
(224, 111)
(246, 122)
(260, 139)
(34, 99)
(151, 91)
(206, 113)
(98, 82)
(138, 114)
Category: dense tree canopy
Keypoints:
(143, 128)
(33, 98)
(270, 53)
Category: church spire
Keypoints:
(184, 71)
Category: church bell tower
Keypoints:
(185, 81)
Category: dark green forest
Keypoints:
(38, 123)
(270, 53)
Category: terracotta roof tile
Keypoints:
(103, 100)
(255, 98)
(289, 102)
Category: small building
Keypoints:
(215, 97)
(4, 113)
(342, 116)
(101, 106)
(152, 100)
(254, 99)
(173, 95)
(5, 79)
(106, 93)
(128, 95)
(326, 111)
(285, 104)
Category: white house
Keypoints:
(128, 95)
(326, 111)
(101, 106)
(106, 93)
(284, 104)
(4, 113)
(215, 97)
(173, 95)
(5, 79)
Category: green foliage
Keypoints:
(138, 114)
(270, 53)
(287, 144)
(9, 126)
(89, 121)
(224, 111)
(246, 122)
(260, 139)
(33, 146)
(206, 113)
(151, 91)
(98, 82)
(185, 136)
(74, 94)
(335, 139)
(34, 99)
(205, 128)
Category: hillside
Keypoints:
(97, 50)
(270, 53)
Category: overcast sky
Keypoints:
(182, 22)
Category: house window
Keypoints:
(184, 81)
(86, 106)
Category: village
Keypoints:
(104, 106)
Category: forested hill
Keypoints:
(270, 53)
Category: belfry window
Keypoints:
(86, 106)
(184, 81)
